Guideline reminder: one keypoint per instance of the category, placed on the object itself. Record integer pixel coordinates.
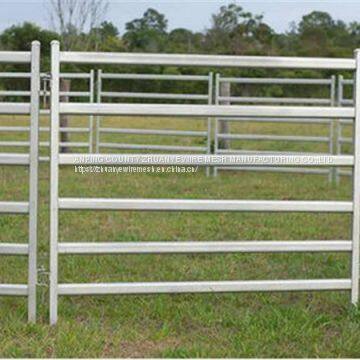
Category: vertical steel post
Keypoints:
(54, 179)
(44, 81)
(33, 178)
(216, 120)
(91, 117)
(356, 187)
(98, 119)
(209, 120)
(225, 91)
(332, 150)
(339, 128)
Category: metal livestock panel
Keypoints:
(102, 94)
(223, 137)
(44, 94)
(30, 160)
(342, 139)
(63, 204)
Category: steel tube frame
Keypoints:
(31, 160)
(189, 247)
(57, 204)
(207, 60)
(331, 83)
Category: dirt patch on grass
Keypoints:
(142, 348)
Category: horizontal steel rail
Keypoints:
(14, 108)
(15, 75)
(14, 249)
(203, 286)
(274, 137)
(281, 120)
(297, 170)
(14, 207)
(69, 93)
(41, 129)
(347, 102)
(272, 152)
(123, 146)
(204, 205)
(273, 81)
(204, 110)
(186, 247)
(154, 132)
(15, 93)
(206, 160)
(164, 77)
(14, 159)
(75, 76)
(346, 140)
(206, 60)
(15, 57)
(149, 95)
(14, 290)
(42, 144)
(274, 100)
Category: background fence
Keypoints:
(19, 95)
(224, 139)
(80, 95)
(206, 97)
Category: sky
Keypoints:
(192, 14)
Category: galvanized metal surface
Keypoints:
(94, 204)
(30, 160)
(207, 60)
(203, 287)
(186, 247)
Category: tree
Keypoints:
(106, 38)
(147, 33)
(320, 35)
(235, 31)
(20, 37)
(72, 19)
(184, 41)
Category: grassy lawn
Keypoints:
(317, 324)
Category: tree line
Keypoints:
(233, 31)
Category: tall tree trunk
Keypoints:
(65, 86)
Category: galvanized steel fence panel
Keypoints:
(62, 204)
(30, 159)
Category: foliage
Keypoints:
(233, 31)
(147, 33)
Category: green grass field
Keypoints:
(317, 324)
